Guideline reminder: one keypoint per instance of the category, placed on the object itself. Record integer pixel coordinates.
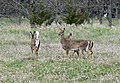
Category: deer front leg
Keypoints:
(32, 49)
(73, 53)
(36, 53)
(88, 55)
(77, 51)
(67, 52)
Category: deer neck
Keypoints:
(62, 38)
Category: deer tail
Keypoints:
(91, 45)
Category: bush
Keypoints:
(40, 16)
(75, 16)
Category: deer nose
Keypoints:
(59, 34)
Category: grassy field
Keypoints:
(18, 66)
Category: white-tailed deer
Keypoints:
(76, 45)
(69, 38)
(35, 42)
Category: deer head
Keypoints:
(32, 35)
(61, 33)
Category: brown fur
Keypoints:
(76, 45)
(69, 38)
(33, 41)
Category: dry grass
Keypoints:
(17, 65)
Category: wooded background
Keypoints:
(68, 11)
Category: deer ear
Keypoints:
(70, 34)
(34, 31)
(30, 32)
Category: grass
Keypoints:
(65, 70)
(17, 63)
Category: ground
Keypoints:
(17, 63)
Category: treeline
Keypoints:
(68, 11)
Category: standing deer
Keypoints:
(76, 45)
(35, 42)
(69, 38)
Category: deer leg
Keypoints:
(67, 51)
(91, 54)
(73, 53)
(83, 54)
(32, 49)
(88, 54)
(36, 52)
(77, 52)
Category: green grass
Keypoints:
(66, 70)
(17, 63)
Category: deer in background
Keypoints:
(35, 42)
(76, 45)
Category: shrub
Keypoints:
(75, 16)
(40, 16)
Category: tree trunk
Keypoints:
(109, 15)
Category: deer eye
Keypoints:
(59, 34)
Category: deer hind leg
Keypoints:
(83, 54)
(77, 51)
(91, 54)
(73, 52)
(36, 52)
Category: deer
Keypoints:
(76, 45)
(69, 38)
(35, 42)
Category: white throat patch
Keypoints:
(36, 38)
(36, 35)
(36, 42)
